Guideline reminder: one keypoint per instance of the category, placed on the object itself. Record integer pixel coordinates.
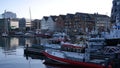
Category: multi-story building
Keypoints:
(4, 25)
(84, 23)
(22, 24)
(28, 24)
(7, 24)
(9, 14)
(102, 22)
(79, 23)
(48, 23)
(14, 23)
(51, 23)
(35, 24)
(60, 22)
(115, 10)
(1, 16)
(44, 23)
(69, 21)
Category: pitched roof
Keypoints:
(62, 16)
(53, 18)
(45, 17)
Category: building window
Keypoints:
(115, 4)
(115, 10)
(118, 3)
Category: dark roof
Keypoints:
(70, 15)
(53, 17)
(45, 17)
(99, 15)
(62, 16)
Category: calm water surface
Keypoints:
(12, 53)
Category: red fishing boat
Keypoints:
(76, 59)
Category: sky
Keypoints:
(40, 8)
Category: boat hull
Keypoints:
(72, 62)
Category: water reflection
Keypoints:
(12, 53)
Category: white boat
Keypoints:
(4, 34)
(113, 37)
(52, 46)
(76, 59)
(59, 37)
(29, 35)
(96, 43)
(73, 47)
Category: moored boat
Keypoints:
(59, 37)
(77, 59)
(4, 34)
(113, 37)
(73, 47)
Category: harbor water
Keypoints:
(12, 53)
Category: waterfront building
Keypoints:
(84, 23)
(44, 23)
(76, 24)
(35, 24)
(7, 25)
(25, 24)
(60, 22)
(4, 25)
(0, 16)
(22, 24)
(115, 10)
(48, 23)
(51, 23)
(102, 23)
(14, 23)
(8, 14)
(28, 24)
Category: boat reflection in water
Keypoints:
(48, 63)
(12, 54)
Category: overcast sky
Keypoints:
(40, 8)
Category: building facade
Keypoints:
(14, 23)
(4, 25)
(51, 23)
(60, 23)
(84, 23)
(9, 14)
(48, 23)
(35, 24)
(44, 23)
(22, 24)
(76, 24)
(102, 23)
(115, 10)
